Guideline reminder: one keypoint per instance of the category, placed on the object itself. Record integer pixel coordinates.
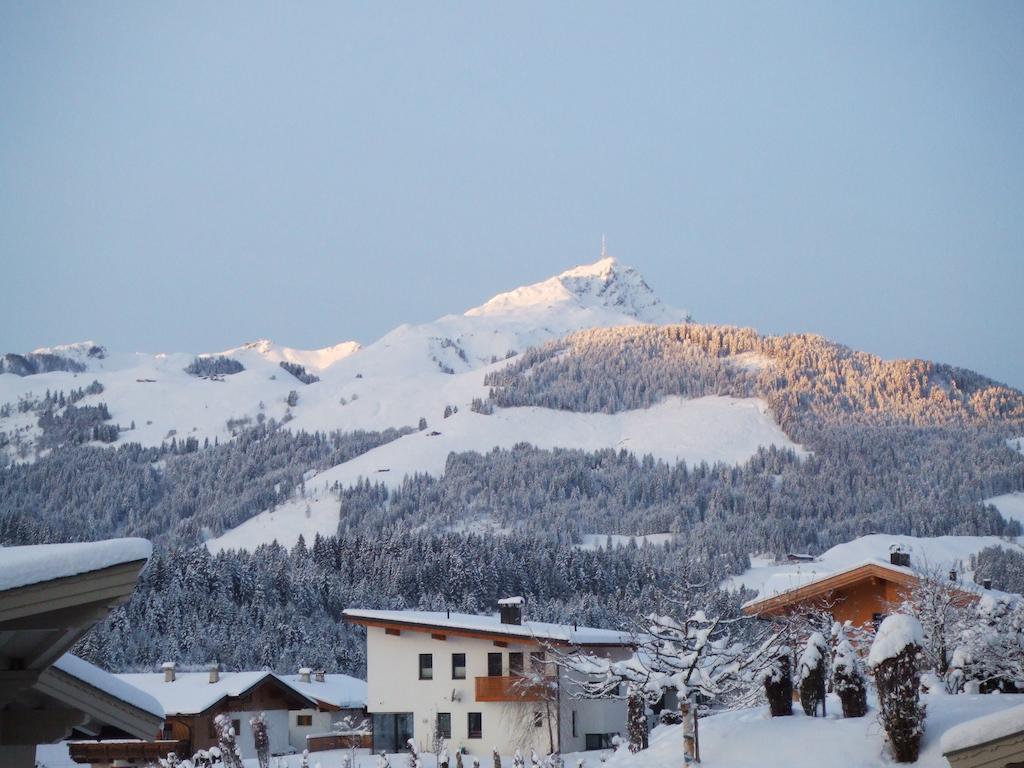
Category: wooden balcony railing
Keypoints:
(138, 751)
(514, 688)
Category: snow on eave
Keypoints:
(22, 566)
(336, 690)
(491, 625)
(816, 582)
(191, 693)
(983, 730)
(111, 685)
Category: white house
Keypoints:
(483, 682)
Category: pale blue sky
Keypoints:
(189, 176)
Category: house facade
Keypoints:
(339, 719)
(483, 682)
(863, 594)
(193, 700)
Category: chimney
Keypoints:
(511, 609)
(304, 673)
(986, 583)
(952, 574)
(319, 675)
(898, 557)
(168, 668)
(215, 673)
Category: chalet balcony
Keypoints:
(514, 688)
(126, 750)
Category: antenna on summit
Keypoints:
(604, 248)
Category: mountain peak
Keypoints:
(605, 286)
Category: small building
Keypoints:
(192, 700)
(862, 594)
(993, 741)
(483, 682)
(339, 719)
(50, 596)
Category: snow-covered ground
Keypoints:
(1010, 505)
(750, 737)
(706, 429)
(941, 552)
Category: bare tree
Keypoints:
(943, 606)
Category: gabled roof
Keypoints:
(338, 691)
(815, 587)
(474, 625)
(192, 692)
(20, 566)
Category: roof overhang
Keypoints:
(479, 634)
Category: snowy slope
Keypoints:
(941, 552)
(707, 429)
(1010, 505)
(414, 371)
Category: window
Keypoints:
(515, 664)
(599, 740)
(444, 725)
(458, 666)
(877, 619)
(538, 718)
(538, 662)
(476, 725)
(574, 734)
(494, 665)
(390, 631)
(426, 666)
(237, 725)
(303, 721)
(168, 731)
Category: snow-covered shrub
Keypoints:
(636, 720)
(847, 676)
(226, 741)
(778, 684)
(414, 755)
(495, 758)
(895, 658)
(812, 672)
(992, 646)
(261, 740)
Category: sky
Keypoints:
(190, 176)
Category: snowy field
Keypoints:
(1010, 505)
(945, 552)
(706, 429)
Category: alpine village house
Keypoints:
(483, 682)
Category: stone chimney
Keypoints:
(215, 673)
(511, 609)
(168, 668)
(986, 583)
(304, 673)
(319, 675)
(952, 574)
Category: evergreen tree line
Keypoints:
(176, 493)
(282, 609)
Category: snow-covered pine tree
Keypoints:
(812, 673)
(895, 658)
(636, 719)
(229, 754)
(260, 739)
(778, 684)
(847, 676)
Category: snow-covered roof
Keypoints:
(91, 675)
(192, 692)
(341, 691)
(769, 578)
(982, 730)
(491, 624)
(517, 600)
(21, 566)
(782, 584)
